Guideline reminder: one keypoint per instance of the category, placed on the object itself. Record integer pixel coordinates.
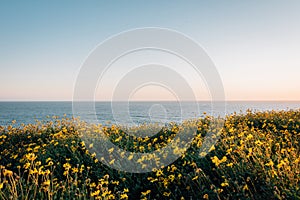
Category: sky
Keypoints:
(255, 45)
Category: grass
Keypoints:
(256, 156)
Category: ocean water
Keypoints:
(130, 113)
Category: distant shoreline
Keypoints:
(141, 101)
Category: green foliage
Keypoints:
(256, 156)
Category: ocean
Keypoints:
(133, 112)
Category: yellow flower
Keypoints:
(212, 148)
(46, 183)
(152, 180)
(179, 176)
(216, 160)
(105, 193)
(228, 151)
(167, 194)
(245, 187)
(7, 172)
(126, 190)
(64, 129)
(47, 172)
(93, 185)
(203, 154)
(93, 155)
(130, 156)
(173, 168)
(142, 148)
(26, 165)
(250, 150)
(115, 182)
(224, 184)
(224, 159)
(250, 136)
(50, 163)
(30, 156)
(112, 161)
(159, 172)
(75, 170)
(106, 176)
(34, 171)
(282, 163)
(111, 150)
(229, 165)
(171, 177)
(270, 163)
(145, 193)
(118, 139)
(124, 196)
(67, 166)
(96, 193)
(258, 142)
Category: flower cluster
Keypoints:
(251, 156)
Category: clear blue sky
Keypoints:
(254, 44)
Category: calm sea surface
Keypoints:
(132, 113)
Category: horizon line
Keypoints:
(230, 100)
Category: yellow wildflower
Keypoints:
(126, 190)
(159, 172)
(145, 193)
(270, 163)
(111, 150)
(167, 194)
(212, 148)
(124, 196)
(224, 184)
(46, 183)
(30, 156)
(7, 172)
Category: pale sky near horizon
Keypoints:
(255, 45)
